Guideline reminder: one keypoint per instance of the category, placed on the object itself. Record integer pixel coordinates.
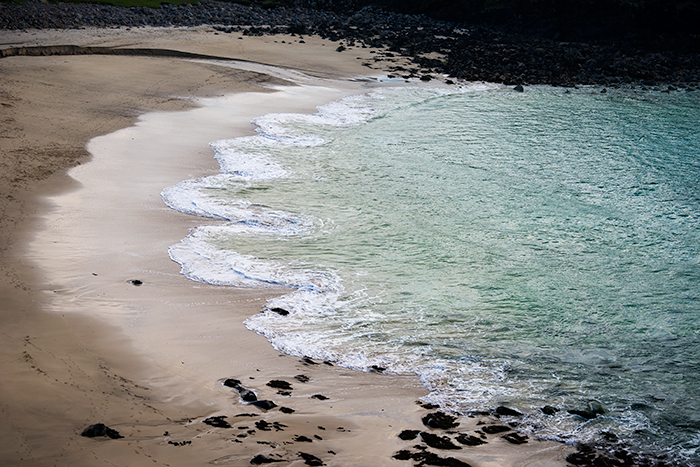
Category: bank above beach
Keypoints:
(581, 43)
(101, 331)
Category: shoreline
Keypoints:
(84, 345)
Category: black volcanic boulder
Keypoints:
(100, 429)
(440, 420)
(217, 422)
(438, 442)
(493, 429)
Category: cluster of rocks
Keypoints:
(444, 436)
(474, 53)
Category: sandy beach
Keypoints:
(87, 143)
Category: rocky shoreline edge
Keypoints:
(456, 50)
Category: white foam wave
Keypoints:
(246, 159)
(195, 197)
(203, 260)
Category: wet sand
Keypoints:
(82, 344)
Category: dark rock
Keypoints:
(340, 48)
(286, 410)
(438, 442)
(310, 459)
(262, 425)
(493, 429)
(378, 369)
(217, 422)
(403, 455)
(247, 395)
(469, 440)
(261, 459)
(232, 383)
(180, 443)
(578, 458)
(308, 361)
(264, 404)
(519, 88)
(302, 378)
(428, 406)
(508, 411)
(320, 397)
(440, 420)
(515, 438)
(549, 410)
(100, 429)
(279, 311)
(428, 458)
(302, 439)
(279, 384)
(408, 435)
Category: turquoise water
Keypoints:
(519, 249)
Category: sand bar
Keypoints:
(81, 344)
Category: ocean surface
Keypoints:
(521, 249)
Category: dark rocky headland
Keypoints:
(540, 45)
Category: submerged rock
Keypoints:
(594, 409)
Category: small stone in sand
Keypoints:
(286, 410)
(302, 439)
(320, 397)
(302, 378)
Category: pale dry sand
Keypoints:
(81, 345)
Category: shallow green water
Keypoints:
(520, 249)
